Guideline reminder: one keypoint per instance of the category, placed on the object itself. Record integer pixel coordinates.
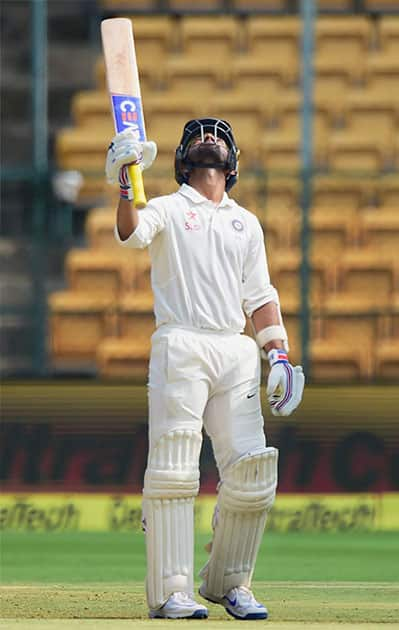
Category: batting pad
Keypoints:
(245, 497)
(171, 482)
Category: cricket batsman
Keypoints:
(209, 270)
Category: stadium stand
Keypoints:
(78, 322)
(253, 81)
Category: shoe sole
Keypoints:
(197, 614)
(249, 617)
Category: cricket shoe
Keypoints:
(180, 606)
(239, 602)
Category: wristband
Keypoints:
(270, 333)
(125, 189)
(277, 355)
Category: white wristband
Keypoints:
(270, 333)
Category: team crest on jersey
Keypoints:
(237, 225)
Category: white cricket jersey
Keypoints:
(208, 261)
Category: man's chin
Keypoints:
(208, 155)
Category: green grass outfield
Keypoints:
(95, 581)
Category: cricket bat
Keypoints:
(124, 89)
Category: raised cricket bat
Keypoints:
(124, 89)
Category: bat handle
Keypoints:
(136, 177)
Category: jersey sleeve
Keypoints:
(257, 289)
(152, 220)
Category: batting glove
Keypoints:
(284, 385)
(124, 150)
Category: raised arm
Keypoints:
(123, 151)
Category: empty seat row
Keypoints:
(353, 272)
(117, 335)
(358, 110)
(242, 6)
(330, 236)
(258, 34)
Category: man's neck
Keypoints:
(209, 182)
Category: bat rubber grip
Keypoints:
(136, 178)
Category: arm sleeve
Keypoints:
(152, 220)
(257, 288)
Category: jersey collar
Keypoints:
(196, 197)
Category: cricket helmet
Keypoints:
(199, 127)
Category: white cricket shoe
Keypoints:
(180, 606)
(239, 602)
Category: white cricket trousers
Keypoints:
(207, 379)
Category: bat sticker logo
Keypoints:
(128, 114)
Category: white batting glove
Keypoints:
(125, 149)
(284, 385)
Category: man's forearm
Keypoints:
(265, 316)
(127, 218)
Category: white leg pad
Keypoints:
(171, 482)
(246, 495)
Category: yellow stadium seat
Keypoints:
(130, 5)
(394, 316)
(332, 83)
(381, 5)
(367, 271)
(122, 358)
(342, 192)
(250, 77)
(350, 152)
(195, 5)
(388, 32)
(84, 149)
(388, 190)
(166, 115)
(249, 191)
(282, 192)
(78, 322)
(266, 73)
(258, 5)
(285, 275)
(278, 234)
(153, 35)
(136, 315)
(335, 5)
(331, 235)
(380, 229)
(91, 107)
(342, 44)
(209, 37)
(351, 319)
(344, 36)
(195, 75)
(387, 359)
(280, 149)
(373, 117)
(383, 72)
(99, 228)
(336, 361)
(280, 152)
(100, 271)
(274, 37)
